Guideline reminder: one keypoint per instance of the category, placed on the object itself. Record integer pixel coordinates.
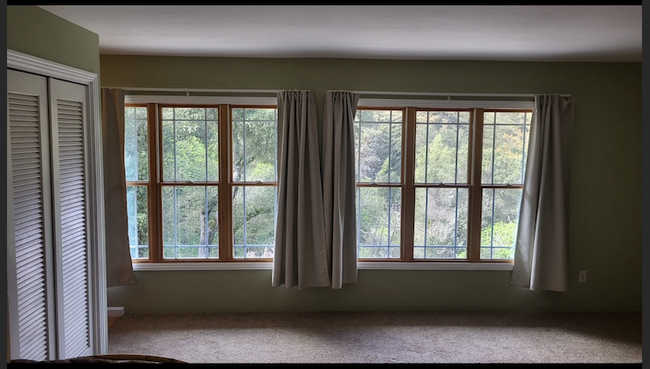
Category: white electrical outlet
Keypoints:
(582, 278)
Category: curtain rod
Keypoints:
(447, 94)
(190, 90)
(395, 93)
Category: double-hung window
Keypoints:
(201, 181)
(433, 184)
(437, 184)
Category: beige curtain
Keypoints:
(300, 256)
(542, 237)
(339, 186)
(119, 270)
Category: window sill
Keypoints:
(189, 266)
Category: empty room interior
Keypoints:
(325, 184)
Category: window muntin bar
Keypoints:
(499, 179)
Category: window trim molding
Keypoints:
(225, 183)
(524, 103)
(96, 231)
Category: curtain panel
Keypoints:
(339, 186)
(542, 236)
(119, 270)
(300, 255)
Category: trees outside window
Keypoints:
(431, 184)
(439, 184)
(212, 192)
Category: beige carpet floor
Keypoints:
(382, 337)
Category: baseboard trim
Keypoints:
(115, 311)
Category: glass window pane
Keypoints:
(260, 114)
(213, 148)
(136, 144)
(512, 118)
(190, 146)
(189, 113)
(505, 144)
(440, 223)
(441, 149)
(137, 207)
(190, 222)
(237, 114)
(254, 145)
(500, 216)
(379, 222)
(253, 221)
(488, 154)
(168, 113)
(378, 146)
(168, 150)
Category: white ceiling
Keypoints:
(517, 33)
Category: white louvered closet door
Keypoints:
(48, 266)
(68, 110)
(30, 287)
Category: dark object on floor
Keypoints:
(106, 359)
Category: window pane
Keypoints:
(253, 221)
(379, 222)
(136, 141)
(190, 146)
(378, 146)
(440, 223)
(441, 147)
(505, 144)
(189, 113)
(500, 216)
(189, 221)
(138, 221)
(212, 125)
(254, 135)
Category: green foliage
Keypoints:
(378, 146)
(498, 239)
(136, 156)
(190, 153)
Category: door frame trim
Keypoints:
(98, 296)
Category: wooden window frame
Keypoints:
(407, 184)
(474, 185)
(224, 184)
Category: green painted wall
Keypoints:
(605, 205)
(34, 31)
